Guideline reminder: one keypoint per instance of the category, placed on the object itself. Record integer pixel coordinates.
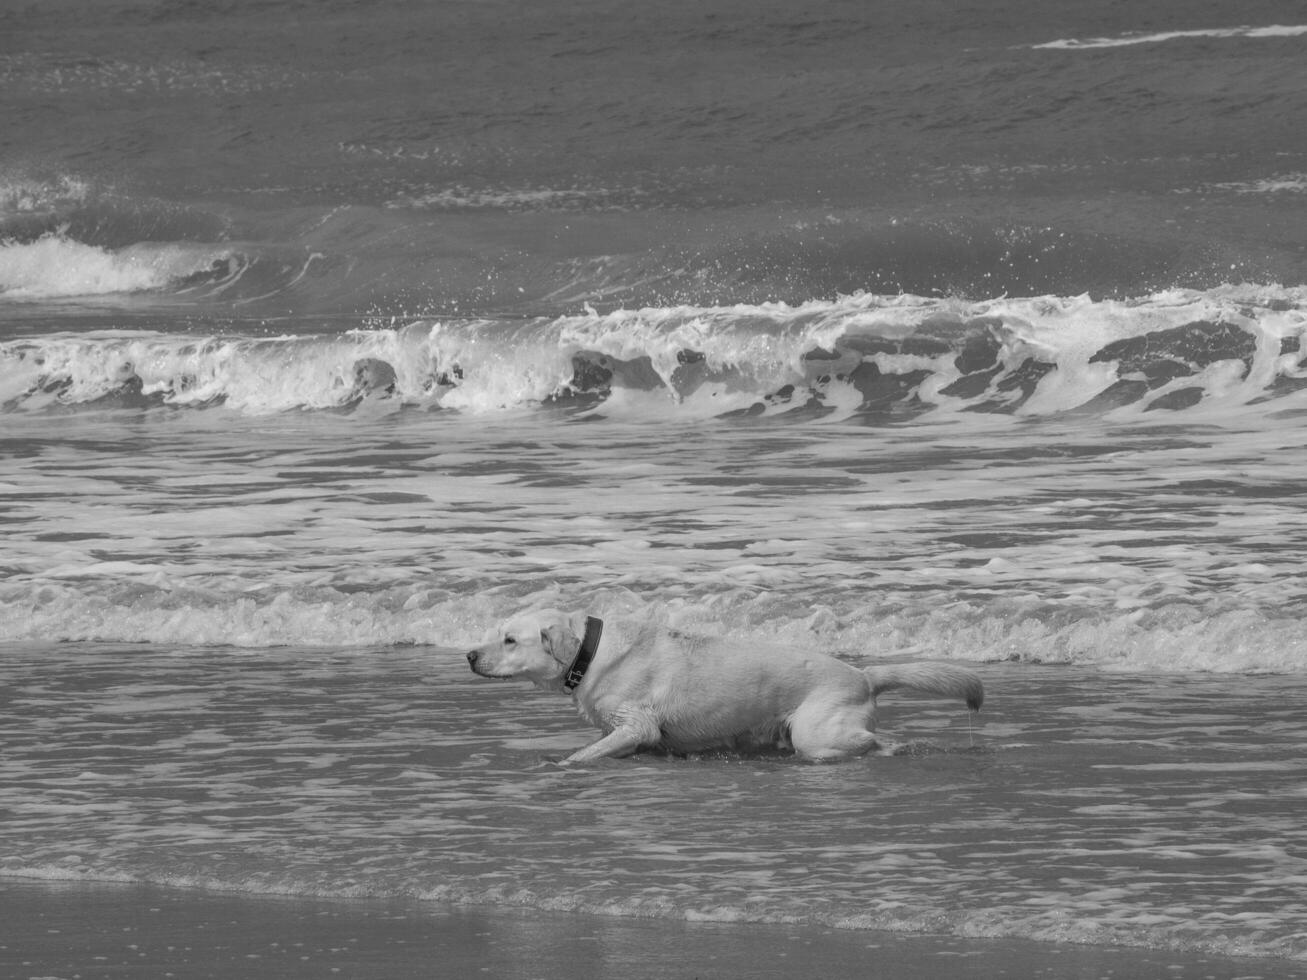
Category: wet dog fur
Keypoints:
(683, 693)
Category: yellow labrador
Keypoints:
(684, 693)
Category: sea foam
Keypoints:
(127, 605)
(1130, 39)
(55, 266)
(1180, 350)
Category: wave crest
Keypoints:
(57, 267)
(865, 355)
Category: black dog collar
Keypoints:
(594, 628)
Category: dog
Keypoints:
(663, 689)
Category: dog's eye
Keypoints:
(510, 641)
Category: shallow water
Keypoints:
(1082, 807)
(153, 931)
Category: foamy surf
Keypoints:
(1175, 351)
(132, 603)
(57, 267)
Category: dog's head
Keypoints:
(537, 646)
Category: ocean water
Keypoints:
(331, 334)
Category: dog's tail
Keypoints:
(943, 679)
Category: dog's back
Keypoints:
(698, 692)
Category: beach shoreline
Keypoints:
(66, 930)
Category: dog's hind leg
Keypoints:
(821, 732)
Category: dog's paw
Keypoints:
(550, 765)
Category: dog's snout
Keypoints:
(472, 657)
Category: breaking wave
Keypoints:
(57, 267)
(863, 355)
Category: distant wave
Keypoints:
(63, 240)
(1125, 40)
(1293, 183)
(868, 355)
(464, 198)
(55, 267)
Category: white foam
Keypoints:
(1290, 183)
(55, 266)
(251, 375)
(463, 198)
(81, 603)
(1127, 40)
(675, 362)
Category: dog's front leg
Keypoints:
(614, 745)
(634, 732)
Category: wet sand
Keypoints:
(90, 931)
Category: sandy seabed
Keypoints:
(82, 932)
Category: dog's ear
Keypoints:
(559, 642)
